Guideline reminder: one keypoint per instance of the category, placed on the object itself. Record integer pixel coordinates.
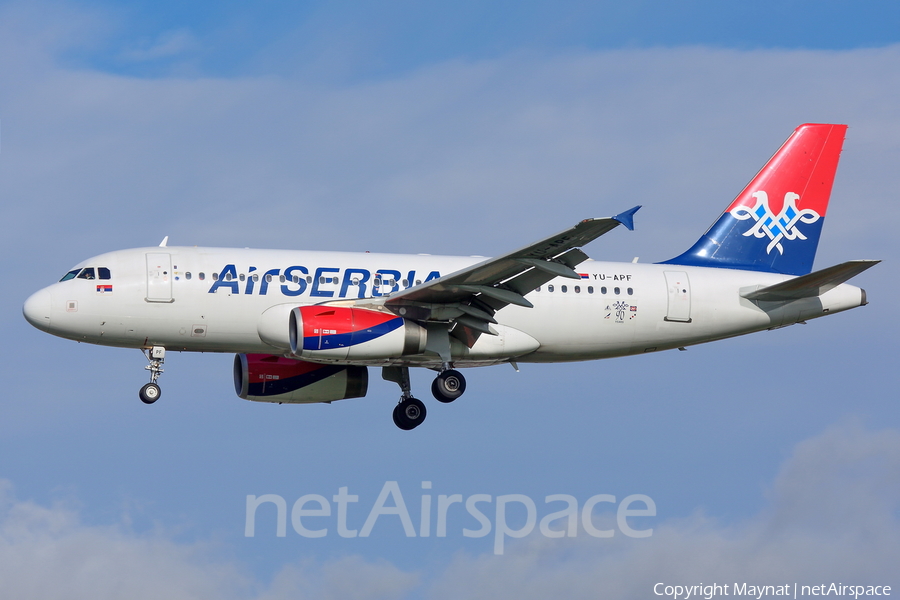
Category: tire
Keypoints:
(409, 414)
(150, 393)
(448, 386)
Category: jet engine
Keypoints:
(323, 332)
(270, 378)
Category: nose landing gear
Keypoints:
(150, 393)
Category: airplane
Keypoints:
(306, 326)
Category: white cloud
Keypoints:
(832, 516)
(168, 44)
(346, 578)
(464, 157)
(47, 553)
(501, 149)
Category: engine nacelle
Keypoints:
(270, 378)
(325, 332)
(273, 326)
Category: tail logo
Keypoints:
(775, 227)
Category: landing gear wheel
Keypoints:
(409, 414)
(448, 386)
(150, 393)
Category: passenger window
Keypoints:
(202, 275)
(295, 279)
(630, 291)
(616, 291)
(281, 278)
(549, 288)
(241, 277)
(215, 276)
(603, 290)
(255, 277)
(187, 275)
(268, 279)
(563, 289)
(86, 273)
(70, 275)
(103, 272)
(537, 289)
(577, 289)
(590, 289)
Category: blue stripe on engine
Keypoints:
(342, 340)
(275, 387)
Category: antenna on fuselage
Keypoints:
(163, 243)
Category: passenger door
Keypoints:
(159, 277)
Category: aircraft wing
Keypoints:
(470, 297)
(811, 285)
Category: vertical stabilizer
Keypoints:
(775, 222)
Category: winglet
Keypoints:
(627, 218)
(163, 243)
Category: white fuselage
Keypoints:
(212, 299)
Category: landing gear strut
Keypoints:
(150, 393)
(410, 412)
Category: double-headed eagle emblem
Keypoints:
(775, 227)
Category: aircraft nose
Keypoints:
(37, 309)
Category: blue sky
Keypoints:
(473, 130)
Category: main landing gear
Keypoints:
(448, 386)
(410, 412)
(150, 393)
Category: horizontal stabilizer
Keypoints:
(811, 285)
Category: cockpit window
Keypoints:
(88, 273)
